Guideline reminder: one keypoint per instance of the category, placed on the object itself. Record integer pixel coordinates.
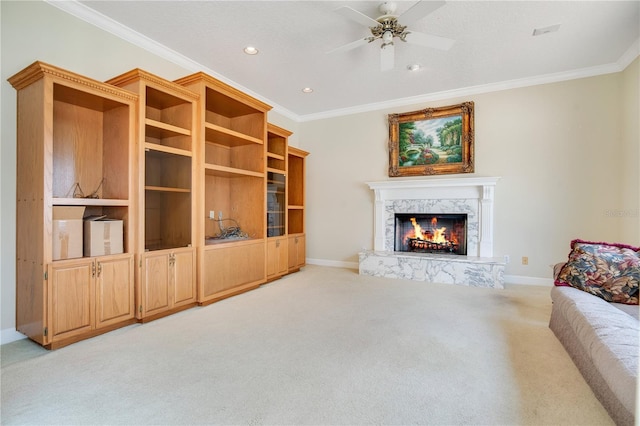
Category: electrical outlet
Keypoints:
(506, 258)
(212, 214)
(525, 260)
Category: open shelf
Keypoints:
(296, 191)
(87, 126)
(276, 166)
(296, 179)
(167, 219)
(240, 200)
(209, 241)
(165, 107)
(234, 114)
(166, 149)
(247, 158)
(166, 189)
(89, 202)
(227, 137)
(277, 148)
(167, 170)
(223, 171)
(160, 130)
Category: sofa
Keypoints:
(601, 337)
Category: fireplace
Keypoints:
(461, 205)
(431, 233)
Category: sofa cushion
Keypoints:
(605, 343)
(609, 271)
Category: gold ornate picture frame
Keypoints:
(433, 141)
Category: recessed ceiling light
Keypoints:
(250, 50)
(307, 90)
(413, 67)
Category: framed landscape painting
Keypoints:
(433, 141)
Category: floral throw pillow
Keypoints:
(609, 271)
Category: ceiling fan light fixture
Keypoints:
(250, 50)
(307, 90)
(386, 28)
(414, 67)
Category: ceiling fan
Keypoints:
(387, 28)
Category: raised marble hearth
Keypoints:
(472, 196)
(435, 268)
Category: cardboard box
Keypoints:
(102, 236)
(67, 232)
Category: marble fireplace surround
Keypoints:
(473, 196)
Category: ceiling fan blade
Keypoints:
(429, 40)
(419, 11)
(387, 57)
(356, 16)
(349, 46)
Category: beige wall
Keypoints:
(567, 154)
(629, 218)
(564, 151)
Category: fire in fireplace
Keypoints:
(431, 233)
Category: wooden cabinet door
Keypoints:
(297, 251)
(283, 256)
(114, 290)
(217, 269)
(293, 252)
(71, 301)
(226, 268)
(248, 264)
(183, 274)
(277, 257)
(155, 283)
(301, 250)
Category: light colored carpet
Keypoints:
(322, 346)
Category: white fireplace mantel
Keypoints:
(474, 189)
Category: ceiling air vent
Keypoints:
(546, 30)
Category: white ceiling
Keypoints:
(494, 46)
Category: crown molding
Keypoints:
(630, 55)
(73, 7)
(91, 16)
(618, 66)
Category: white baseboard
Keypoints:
(333, 263)
(508, 279)
(10, 335)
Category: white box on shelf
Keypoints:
(67, 232)
(102, 236)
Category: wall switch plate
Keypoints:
(212, 214)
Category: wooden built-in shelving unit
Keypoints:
(76, 138)
(296, 208)
(167, 158)
(233, 133)
(210, 195)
